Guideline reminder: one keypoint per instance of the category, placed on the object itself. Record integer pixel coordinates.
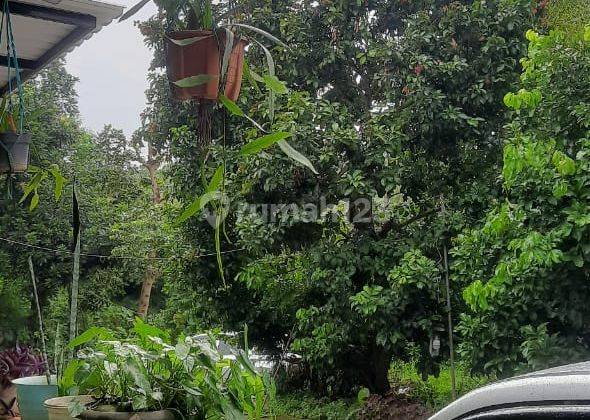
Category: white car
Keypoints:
(558, 393)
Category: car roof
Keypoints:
(562, 383)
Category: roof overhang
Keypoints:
(45, 30)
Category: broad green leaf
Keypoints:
(197, 205)
(362, 395)
(89, 334)
(68, 377)
(295, 155)
(188, 41)
(194, 81)
(139, 402)
(140, 379)
(32, 185)
(231, 106)
(263, 142)
(261, 32)
(59, 181)
(182, 350)
(563, 163)
(587, 34)
(216, 179)
(75, 408)
(34, 201)
(274, 84)
(145, 330)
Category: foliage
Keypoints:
(525, 267)
(19, 362)
(399, 102)
(15, 310)
(145, 373)
(435, 391)
(307, 406)
(570, 16)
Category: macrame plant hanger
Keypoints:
(13, 75)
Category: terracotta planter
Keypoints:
(14, 152)
(57, 408)
(102, 413)
(203, 57)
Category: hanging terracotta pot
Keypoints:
(14, 152)
(203, 57)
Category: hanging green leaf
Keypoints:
(261, 32)
(188, 41)
(33, 185)
(59, 180)
(197, 205)
(201, 201)
(230, 106)
(34, 201)
(271, 72)
(216, 179)
(229, 46)
(194, 81)
(274, 84)
(263, 142)
(295, 155)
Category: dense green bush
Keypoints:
(526, 267)
(435, 391)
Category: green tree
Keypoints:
(393, 100)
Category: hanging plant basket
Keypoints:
(14, 152)
(200, 58)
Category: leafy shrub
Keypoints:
(435, 391)
(146, 373)
(15, 309)
(526, 267)
(306, 406)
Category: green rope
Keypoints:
(12, 58)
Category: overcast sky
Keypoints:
(112, 68)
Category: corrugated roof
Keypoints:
(45, 30)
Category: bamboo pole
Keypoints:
(41, 330)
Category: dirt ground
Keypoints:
(393, 406)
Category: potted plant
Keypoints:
(203, 53)
(20, 368)
(14, 146)
(145, 377)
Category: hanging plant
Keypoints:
(205, 61)
(14, 144)
(205, 56)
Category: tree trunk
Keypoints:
(151, 276)
(381, 360)
(152, 272)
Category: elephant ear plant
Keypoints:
(147, 374)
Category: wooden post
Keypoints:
(450, 324)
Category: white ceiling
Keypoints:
(34, 37)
